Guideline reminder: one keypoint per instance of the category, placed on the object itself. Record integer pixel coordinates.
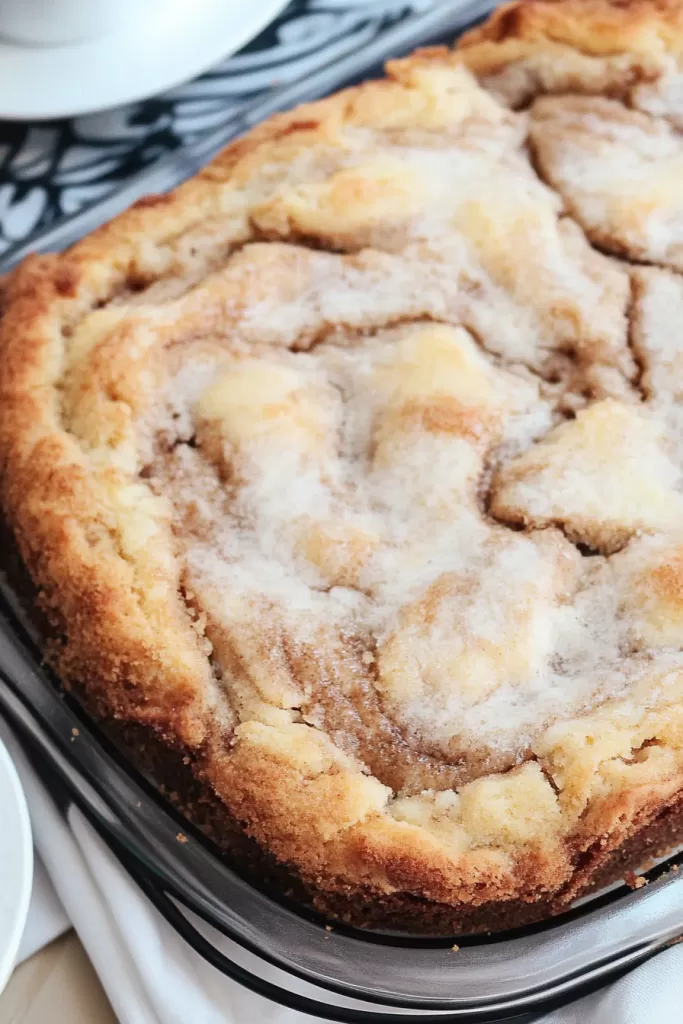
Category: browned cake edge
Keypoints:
(367, 908)
(49, 501)
(174, 773)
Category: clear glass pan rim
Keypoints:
(509, 975)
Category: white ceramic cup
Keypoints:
(55, 22)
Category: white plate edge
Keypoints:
(263, 14)
(25, 842)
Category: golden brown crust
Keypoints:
(599, 47)
(591, 26)
(356, 739)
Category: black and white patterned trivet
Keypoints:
(52, 169)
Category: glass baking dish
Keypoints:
(260, 939)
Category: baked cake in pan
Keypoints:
(353, 467)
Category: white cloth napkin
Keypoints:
(151, 976)
(46, 916)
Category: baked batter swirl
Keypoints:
(354, 466)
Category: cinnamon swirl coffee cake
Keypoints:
(353, 468)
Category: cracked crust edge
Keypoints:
(594, 28)
(55, 511)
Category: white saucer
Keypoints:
(158, 51)
(16, 864)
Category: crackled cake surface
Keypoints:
(354, 467)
